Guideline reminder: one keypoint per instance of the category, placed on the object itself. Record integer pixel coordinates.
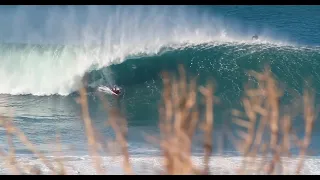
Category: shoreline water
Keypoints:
(219, 165)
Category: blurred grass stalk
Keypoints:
(260, 120)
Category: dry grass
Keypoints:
(265, 131)
(262, 109)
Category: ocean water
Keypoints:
(45, 51)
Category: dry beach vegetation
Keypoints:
(264, 138)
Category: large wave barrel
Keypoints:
(60, 44)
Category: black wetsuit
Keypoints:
(255, 37)
(115, 90)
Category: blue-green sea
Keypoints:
(45, 51)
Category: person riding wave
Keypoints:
(116, 90)
(255, 37)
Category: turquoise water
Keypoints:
(45, 52)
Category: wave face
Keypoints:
(227, 63)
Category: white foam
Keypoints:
(152, 165)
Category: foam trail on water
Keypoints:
(94, 37)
